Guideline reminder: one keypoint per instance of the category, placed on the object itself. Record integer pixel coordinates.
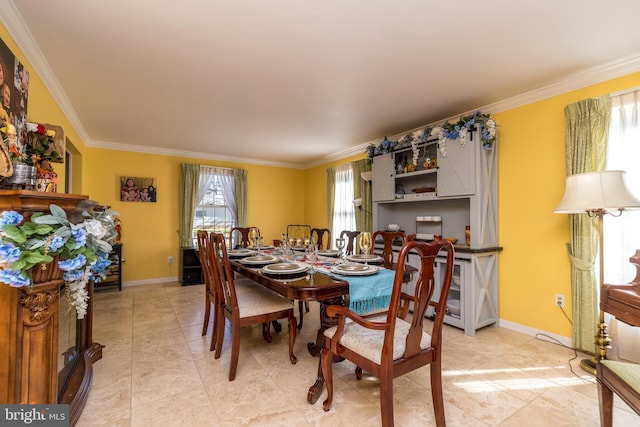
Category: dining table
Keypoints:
(319, 283)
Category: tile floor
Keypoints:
(157, 370)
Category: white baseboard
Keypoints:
(566, 341)
(155, 281)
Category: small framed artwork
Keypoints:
(135, 189)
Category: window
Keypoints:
(343, 214)
(215, 210)
(622, 234)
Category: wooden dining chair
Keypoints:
(350, 238)
(244, 238)
(387, 345)
(388, 238)
(211, 296)
(318, 236)
(203, 243)
(251, 306)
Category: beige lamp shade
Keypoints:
(592, 191)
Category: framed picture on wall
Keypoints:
(135, 189)
(14, 96)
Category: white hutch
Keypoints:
(459, 191)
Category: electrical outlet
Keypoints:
(559, 300)
(170, 260)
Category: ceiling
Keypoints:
(298, 83)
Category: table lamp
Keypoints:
(597, 194)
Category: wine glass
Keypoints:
(259, 242)
(365, 244)
(312, 255)
(340, 246)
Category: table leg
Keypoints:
(315, 347)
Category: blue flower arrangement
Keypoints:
(447, 130)
(81, 249)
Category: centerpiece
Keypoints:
(31, 161)
(49, 247)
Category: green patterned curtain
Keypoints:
(188, 195)
(240, 194)
(362, 188)
(586, 147)
(331, 195)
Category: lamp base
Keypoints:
(589, 365)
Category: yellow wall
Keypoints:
(316, 191)
(534, 264)
(149, 230)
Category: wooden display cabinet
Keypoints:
(29, 325)
(113, 273)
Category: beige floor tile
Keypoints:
(188, 408)
(157, 370)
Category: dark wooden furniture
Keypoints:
(190, 268)
(350, 238)
(257, 306)
(324, 289)
(318, 236)
(388, 346)
(388, 239)
(29, 322)
(245, 239)
(613, 376)
(209, 295)
(113, 273)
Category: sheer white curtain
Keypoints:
(225, 177)
(343, 213)
(622, 234)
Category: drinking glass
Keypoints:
(259, 242)
(312, 255)
(365, 244)
(340, 246)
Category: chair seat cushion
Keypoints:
(368, 342)
(254, 300)
(628, 372)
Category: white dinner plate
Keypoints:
(329, 252)
(355, 269)
(262, 247)
(363, 257)
(240, 253)
(285, 268)
(259, 259)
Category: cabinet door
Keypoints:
(456, 171)
(383, 186)
(455, 315)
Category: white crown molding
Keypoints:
(15, 25)
(599, 74)
(181, 153)
(612, 70)
(17, 28)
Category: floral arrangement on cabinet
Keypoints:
(447, 130)
(40, 144)
(80, 250)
